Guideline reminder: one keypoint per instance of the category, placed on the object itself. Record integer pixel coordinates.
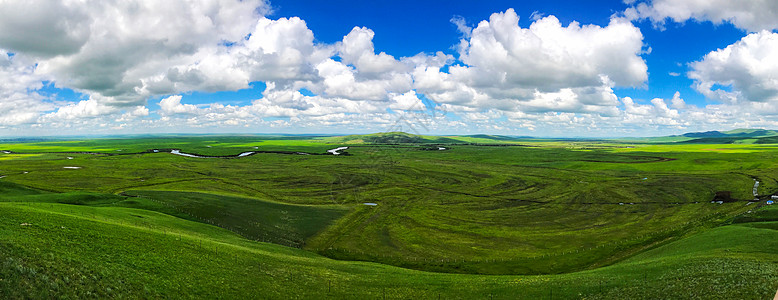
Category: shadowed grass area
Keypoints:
(10, 190)
(284, 224)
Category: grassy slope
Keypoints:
(10, 191)
(79, 251)
(283, 224)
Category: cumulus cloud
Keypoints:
(546, 67)
(744, 71)
(82, 109)
(108, 48)
(677, 101)
(408, 101)
(751, 15)
(282, 49)
(20, 103)
(549, 56)
(340, 80)
(357, 49)
(172, 105)
(43, 28)
(656, 113)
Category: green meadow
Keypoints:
(393, 216)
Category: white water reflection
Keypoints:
(335, 151)
(178, 152)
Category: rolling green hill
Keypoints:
(735, 136)
(742, 133)
(66, 251)
(497, 137)
(392, 138)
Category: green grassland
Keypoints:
(598, 218)
(66, 251)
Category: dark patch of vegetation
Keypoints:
(283, 224)
(725, 196)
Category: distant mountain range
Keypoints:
(742, 133)
(736, 136)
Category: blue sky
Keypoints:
(405, 28)
(541, 68)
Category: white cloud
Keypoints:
(83, 109)
(549, 56)
(546, 67)
(282, 49)
(340, 80)
(277, 51)
(461, 25)
(751, 15)
(172, 105)
(408, 101)
(43, 28)
(744, 71)
(108, 48)
(357, 49)
(20, 103)
(677, 101)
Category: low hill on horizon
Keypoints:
(390, 138)
(408, 138)
(735, 136)
(742, 132)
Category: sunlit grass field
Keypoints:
(55, 250)
(497, 218)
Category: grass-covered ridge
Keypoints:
(391, 138)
